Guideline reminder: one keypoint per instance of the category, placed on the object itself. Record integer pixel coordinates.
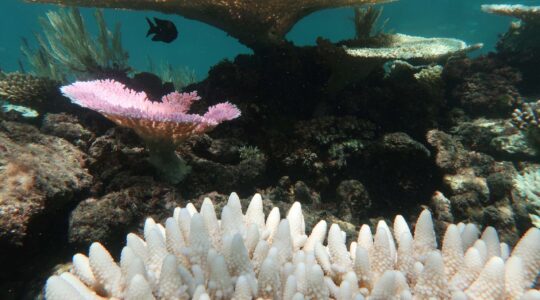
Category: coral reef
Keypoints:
(162, 125)
(119, 211)
(496, 137)
(483, 87)
(220, 164)
(39, 93)
(527, 119)
(520, 46)
(478, 187)
(256, 26)
(194, 255)
(412, 48)
(529, 14)
(527, 187)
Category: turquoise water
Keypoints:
(200, 46)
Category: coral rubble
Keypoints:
(194, 255)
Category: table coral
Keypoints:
(254, 24)
(161, 124)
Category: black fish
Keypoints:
(163, 30)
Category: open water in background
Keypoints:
(199, 46)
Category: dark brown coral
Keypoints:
(254, 23)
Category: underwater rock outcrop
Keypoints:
(254, 24)
(485, 86)
(194, 255)
(520, 45)
(39, 175)
(478, 187)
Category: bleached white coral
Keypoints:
(197, 256)
(527, 185)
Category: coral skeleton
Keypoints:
(249, 256)
(162, 125)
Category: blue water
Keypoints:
(200, 46)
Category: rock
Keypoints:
(39, 174)
(68, 127)
(109, 218)
(497, 137)
(354, 200)
(229, 166)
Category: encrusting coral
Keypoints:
(527, 118)
(254, 24)
(527, 185)
(246, 256)
(162, 125)
(28, 90)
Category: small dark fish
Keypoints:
(163, 30)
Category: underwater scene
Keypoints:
(270, 149)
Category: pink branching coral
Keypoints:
(168, 119)
(163, 125)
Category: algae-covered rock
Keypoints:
(39, 174)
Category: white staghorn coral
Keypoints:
(198, 256)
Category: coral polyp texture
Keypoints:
(252, 256)
(528, 116)
(255, 24)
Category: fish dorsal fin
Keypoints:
(152, 28)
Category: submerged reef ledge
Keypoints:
(246, 256)
(254, 25)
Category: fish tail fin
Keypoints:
(152, 27)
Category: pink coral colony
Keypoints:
(152, 120)
(162, 125)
